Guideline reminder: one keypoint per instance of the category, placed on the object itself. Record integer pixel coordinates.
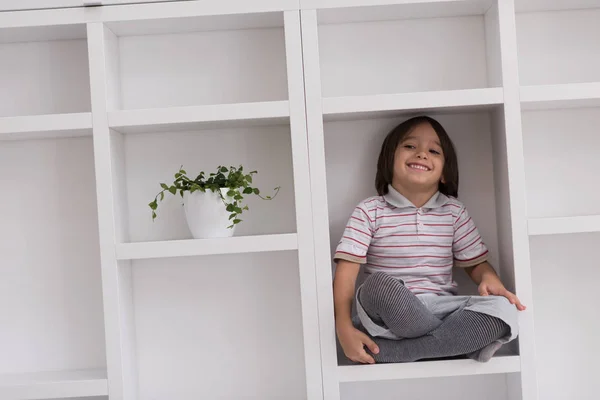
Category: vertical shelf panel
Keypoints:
(566, 336)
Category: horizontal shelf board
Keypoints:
(45, 126)
(43, 33)
(350, 11)
(554, 5)
(199, 247)
(140, 12)
(553, 226)
(185, 118)
(54, 385)
(336, 108)
(197, 24)
(546, 97)
(428, 369)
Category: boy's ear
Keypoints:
(443, 180)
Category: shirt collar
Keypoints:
(394, 198)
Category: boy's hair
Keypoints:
(385, 164)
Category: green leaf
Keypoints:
(162, 196)
(248, 190)
(230, 208)
(237, 221)
(164, 186)
(177, 175)
(238, 210)
(249, 178)
(182, 172)
(231, 193)
(223, 170)
(256, 191)
(173, 190)
(153, 205)
(232, 216)
(153, 215)
(246, 208)
(181, 193)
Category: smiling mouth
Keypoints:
(418, 167)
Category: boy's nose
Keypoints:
(422, 155)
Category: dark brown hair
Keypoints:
(385, 164)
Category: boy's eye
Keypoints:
(435, 152)
(409, 146)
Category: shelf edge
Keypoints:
(197, 114)
(556, 226)
(12, 126)
(200, 247)
(412, 101)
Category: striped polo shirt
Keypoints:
(418, 245)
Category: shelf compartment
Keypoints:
(46, 126)
(428, 369)
(198, 247)
(195, 117)
(555, 158)
(340, 108)
(468, 58)
(195, 61)
(545, 97)
(554, 226)
(557, 47)
(54, 385)
(46, 64)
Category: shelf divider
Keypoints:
(554, 226)
(54, 385)
(198, 247)
(46, 126)
(428, 369)
(573, 95)
(127, 120)
(340, 107)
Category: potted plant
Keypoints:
(213, 203)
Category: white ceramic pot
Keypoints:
(206, 214)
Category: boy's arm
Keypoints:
(351, 339)
(489, 283)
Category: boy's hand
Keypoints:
(491, 285)
(353, 342)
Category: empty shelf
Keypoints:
(358, 106)
(552, 226)
(179, 118)
(560, 96)
(46, 126)
(54, 385)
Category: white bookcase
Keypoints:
(99, 105)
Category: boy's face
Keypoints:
(419, 160)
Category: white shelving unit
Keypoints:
(558, 64)
(99, 105)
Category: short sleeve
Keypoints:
(357, 236)
(467, 247)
